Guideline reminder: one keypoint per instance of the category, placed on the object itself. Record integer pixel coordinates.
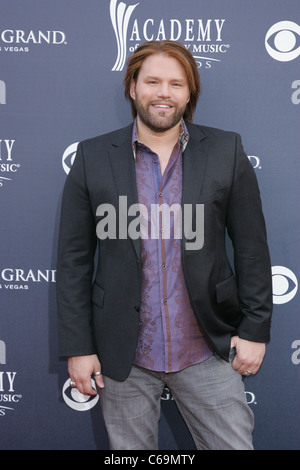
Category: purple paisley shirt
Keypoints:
(169, 337)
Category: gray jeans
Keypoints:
(210, 397)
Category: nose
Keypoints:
(163, 90)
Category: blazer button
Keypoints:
(137, 308)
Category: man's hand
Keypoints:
(249, 355)
(81, 369)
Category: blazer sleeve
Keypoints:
(75, 264)
(247, 230)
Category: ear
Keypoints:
(132, 89)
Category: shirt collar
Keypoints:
(183, 137)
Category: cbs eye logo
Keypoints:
(76, 400)
(285, 284)
(69, 157)
(281, 41)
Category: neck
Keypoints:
(151, 138)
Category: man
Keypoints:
(162, 305)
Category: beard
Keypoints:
(159, 121)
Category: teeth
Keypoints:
(161, 106)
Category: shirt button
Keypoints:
(160, 194)
(137, 308)
(165, 301)
(164, 266)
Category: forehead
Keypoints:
(160, 65)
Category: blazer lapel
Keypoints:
(194, 167)
(123, 168)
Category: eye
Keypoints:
(69, 157)
(75, 400)
(282, 41)
(285, 284)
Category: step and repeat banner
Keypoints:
(62, 65)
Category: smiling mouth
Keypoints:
(162, 106)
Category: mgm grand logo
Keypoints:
(13, 279)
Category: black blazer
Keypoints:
(98, 296)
